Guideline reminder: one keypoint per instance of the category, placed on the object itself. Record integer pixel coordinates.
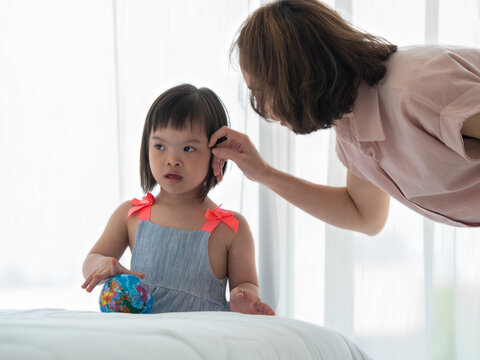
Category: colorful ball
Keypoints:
(126, 293)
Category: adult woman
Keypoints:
(407, 121)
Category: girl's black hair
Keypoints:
(178, 107)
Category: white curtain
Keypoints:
(413, 291)
(77, 79)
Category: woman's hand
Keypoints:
(106, 268)
(240, 150)
(245, 302)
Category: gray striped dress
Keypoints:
(177, 269)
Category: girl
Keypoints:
(407, 120)
(183, 245)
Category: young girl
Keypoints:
(183, 245)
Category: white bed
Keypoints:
(62, 334)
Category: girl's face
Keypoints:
(179, 159)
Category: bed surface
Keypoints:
(64, 334)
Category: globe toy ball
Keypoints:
(126, 293)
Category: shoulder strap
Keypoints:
(144, 207)
(216, 216)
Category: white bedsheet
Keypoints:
(61, 334)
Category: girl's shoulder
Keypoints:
(232, 219)
(233, 230)
(236, 228)
(121, 212)
(225, 219)
(242, 221)
(139, 208)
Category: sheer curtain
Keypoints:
(413, 291)
(77, 81)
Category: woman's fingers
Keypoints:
(227, 144)
(226, 154)
(245, 156)
(224, 132)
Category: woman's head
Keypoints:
(303, 62)
(178, 112)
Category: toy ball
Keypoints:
(126, 293)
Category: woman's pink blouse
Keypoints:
(404, 133)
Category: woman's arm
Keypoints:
(102, 262)
(471, 126)
(359, 206)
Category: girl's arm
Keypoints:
(102, 261)
(242, 273)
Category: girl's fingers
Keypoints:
(119, 268)
(87, 281)
(93, 283)
(265, 309)
(109, 271)
(140, 275)
(261, 308)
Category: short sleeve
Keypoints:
(350, 165)
(451, 121)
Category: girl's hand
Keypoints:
(240, 150)
(245, 302)
(107, 268)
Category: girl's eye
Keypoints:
(188, 149)
(159, 147)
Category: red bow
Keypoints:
(144, 206)
(217, 215)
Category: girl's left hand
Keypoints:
(245, 302)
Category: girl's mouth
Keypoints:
(173, 178)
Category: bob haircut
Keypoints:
(180, 107)
(305, 62)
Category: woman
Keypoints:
(407, 120)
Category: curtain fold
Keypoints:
(276, 224)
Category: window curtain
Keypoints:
(77, 81)
(413, 291)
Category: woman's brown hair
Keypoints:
(305, 62)
(180, 107)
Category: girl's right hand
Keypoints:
(107, 268)
(246, 302)
(240, 150)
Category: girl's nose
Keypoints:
(174, 163)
